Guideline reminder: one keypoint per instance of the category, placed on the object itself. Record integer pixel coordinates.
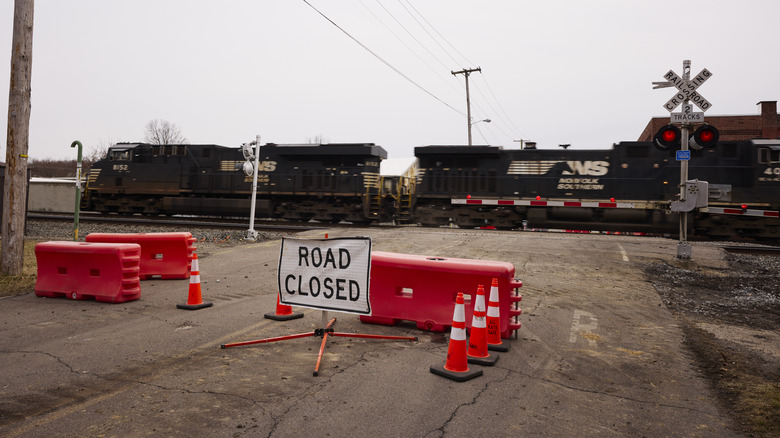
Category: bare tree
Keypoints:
(163, 132)
(317, 139)
(99, 151)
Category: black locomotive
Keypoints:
(741, 175)
(329, 183)
(336, 182)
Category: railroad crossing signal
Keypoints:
(686, 90)
(672, 136)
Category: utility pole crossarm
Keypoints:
(467, 71)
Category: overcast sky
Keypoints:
(555, 72)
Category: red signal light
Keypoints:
(538, 198)
(667, 137)
(705, 136)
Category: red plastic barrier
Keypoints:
(423, 289)
(107, 272)
(168, 255)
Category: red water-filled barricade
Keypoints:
(106, 272)
(168, 255)
(423, 289)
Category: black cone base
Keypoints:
(502, 347)
(275, 317)
(194, 306)
(454, 375)
(490, 360)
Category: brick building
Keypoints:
(766, 125)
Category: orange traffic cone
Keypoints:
(283, 312)
(478, 350)
(456, 367)
(194, 300)
(494, 341)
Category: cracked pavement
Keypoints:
(598, 354)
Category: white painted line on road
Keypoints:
(623, 253)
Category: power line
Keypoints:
(443, 79)
(501, 106)
(496, 114)
(426, 31)
(438, 33)
(411, 35)
(382, 60)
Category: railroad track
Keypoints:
(749, 249)
(229, 223)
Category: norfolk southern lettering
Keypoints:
(330, 288)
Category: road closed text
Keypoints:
(330, 288)
(328, 274)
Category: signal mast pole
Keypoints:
(683, 247)
(465, 72)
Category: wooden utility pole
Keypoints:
(466, 72)
(15, 189)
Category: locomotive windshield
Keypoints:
(768, 155)
(120, 154)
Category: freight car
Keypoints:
(328, 183)
(631, 185)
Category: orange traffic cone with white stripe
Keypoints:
(194, 299)
(494, 341)
(456, 367)
(283, 312)
(478, 349)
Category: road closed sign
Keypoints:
(326, 274)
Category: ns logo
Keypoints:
(592, 168)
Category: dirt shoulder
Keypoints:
(730, 319)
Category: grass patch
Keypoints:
(760, 405)
(12, 285)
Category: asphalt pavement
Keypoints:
(598, 354)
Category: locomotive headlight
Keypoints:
(248, 168)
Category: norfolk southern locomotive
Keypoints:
(634, 182)
(328, 183)
(625, 188)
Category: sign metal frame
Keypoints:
(326, 274)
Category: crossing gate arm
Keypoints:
(645, 205)
(579, 204)
(741, 212)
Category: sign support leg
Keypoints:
(323, 332)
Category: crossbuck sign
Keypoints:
(687, 90)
